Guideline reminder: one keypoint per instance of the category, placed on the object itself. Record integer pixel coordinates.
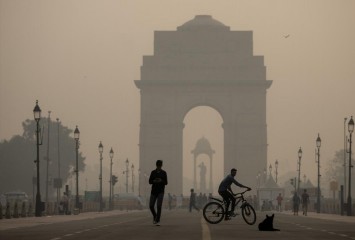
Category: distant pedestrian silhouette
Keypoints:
(179, 199)
(65, 203)
(279, 202)
(305, 201)
(296, 203)
(170, 201)
(193, 200)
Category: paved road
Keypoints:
(176, 225)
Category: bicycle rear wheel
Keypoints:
(213, 212)
(248, 214)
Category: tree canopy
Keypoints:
(335, 167)
(18, 155)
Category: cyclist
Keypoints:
(227, 194)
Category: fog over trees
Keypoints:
(18, 154)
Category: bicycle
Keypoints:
(215, 211)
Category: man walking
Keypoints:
(279, 202)
(193, 201)
(170, 201)
(296, 202)
(158, 179)
(65, 203)
(305, 201)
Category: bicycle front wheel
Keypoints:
(213, 212)
(248, 214)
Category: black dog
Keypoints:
(267, 224)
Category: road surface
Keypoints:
(175, 225)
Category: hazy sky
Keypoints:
(79, 59)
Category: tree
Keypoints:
(17, 156)
(335, 167)
(335, 170)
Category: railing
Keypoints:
(329, 206)
(26, 209)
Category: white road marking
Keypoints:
(324, 230)
(206, 235)
(89, 229)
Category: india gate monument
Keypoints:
(202, 63)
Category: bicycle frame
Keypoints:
(238, 196)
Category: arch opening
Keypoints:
(203, 127)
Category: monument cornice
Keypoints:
(146, 83)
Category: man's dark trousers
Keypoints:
(159, 199)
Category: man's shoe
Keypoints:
(227, 218)
(157, 224)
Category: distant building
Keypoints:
(268, 192)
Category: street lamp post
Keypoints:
(146, 184)
(132, 168)
(76, 137)
(47, 157)
(299, 169)
(37, 117)
(276, 166)
(318, 144)
(139, 182)
(264, 176)
(59, 179)
(127, 163)
(101, 149)
(111, 156)
(345, 138)
(350, 129)
(258, 180)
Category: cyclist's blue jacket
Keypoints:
(227, 182)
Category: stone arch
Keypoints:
(203, 63)
(188, 108)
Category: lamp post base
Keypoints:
(39, 209)
(349, 207)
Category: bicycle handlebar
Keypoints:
(241, 193)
